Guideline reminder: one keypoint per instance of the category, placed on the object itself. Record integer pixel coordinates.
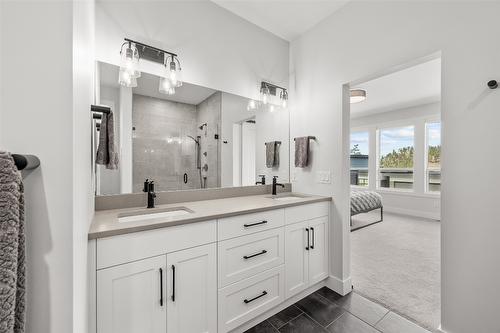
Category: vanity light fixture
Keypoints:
(268, 89)
(358, 95)
(132, 51)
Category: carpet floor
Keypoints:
(397, 263)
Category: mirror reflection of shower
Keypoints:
(197, 153)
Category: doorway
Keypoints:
(395, 182)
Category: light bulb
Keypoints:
(264, 94)
(175, 73)
(251, 105)
(165, 86)
(283, 103)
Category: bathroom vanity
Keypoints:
(205, 266)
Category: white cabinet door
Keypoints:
(129, 298)
(296, 258)
(192, 290)
(318, 252)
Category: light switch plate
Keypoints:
(324, 177)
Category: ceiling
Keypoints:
(286, 19)
(147, 85)
(416, 85)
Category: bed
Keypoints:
(364, 202)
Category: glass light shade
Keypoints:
(284, 98)
(264, 95)
(126, 80)
(166, 87)
(130, 60)
(284, 103)
(175, 74)
(357, 96)
(252, 105)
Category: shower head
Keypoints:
(202, 125)
(195, 140)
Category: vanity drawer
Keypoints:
(243, 301)
(121, 249)
(307, 212)
(241, 225)
(242, 257)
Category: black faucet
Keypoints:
(262, 180)
(149, 188)
(276, 184)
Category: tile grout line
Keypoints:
(381, 319)
(323, 327)
(301, 312)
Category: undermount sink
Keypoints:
(154, 214)
(287, 196)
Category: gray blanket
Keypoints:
(12, 248)
(106, 151)
(364, 201)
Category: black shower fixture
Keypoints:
(493, 84)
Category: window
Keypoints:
(359, 158)
(396, 152)
(433, 165)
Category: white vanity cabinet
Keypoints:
(210, 276)
(306, 252)
(130, 297)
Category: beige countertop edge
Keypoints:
(159, 225)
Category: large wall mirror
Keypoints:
(196, 138)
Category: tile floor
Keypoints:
(327, 311)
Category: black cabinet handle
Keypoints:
(254, 224)
(173, 283)
(255, 255)
(161, 287)
(312, 243)
(307, 247)
(264, 293)
(185, 178)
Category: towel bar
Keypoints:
(100, 108)
(26, 162)
(310, 138)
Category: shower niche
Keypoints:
(196, 138)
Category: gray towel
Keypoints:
(12, 248)
(302, 152)
(272, 154)
(106, 151)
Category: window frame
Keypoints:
(430, 120)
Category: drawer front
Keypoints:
(306, 212)
(242, 257)
(241, 225)
(121, 249)
(249, 298)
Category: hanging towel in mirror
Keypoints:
(302, 152)
(12, 248)
(106, 152)
(272, 154)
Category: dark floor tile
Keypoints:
(350, 324)
(263, 327)
(284, 316)
(320, 309)
(363, 308)
(393, 323)
(302, 324)
(329, 294)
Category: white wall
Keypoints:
(49, 124)
(419, 202)
(390, 34)
(217, 49)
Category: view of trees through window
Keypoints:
(396, 157)
(433, 171)
(359, 158)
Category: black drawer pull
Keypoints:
(307, 247)
(161, 287)
(255, 255)
(264, 293)
(173, 283)
(254, 224)
(312, 243)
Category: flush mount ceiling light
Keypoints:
(357, 95)
(267, 90)
(131, 51)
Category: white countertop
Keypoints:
(106, 224)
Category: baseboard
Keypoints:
(411, 212)
(342, 287)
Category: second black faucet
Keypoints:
(149, 188)
(275, 183)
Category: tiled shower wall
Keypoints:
(162, 150)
